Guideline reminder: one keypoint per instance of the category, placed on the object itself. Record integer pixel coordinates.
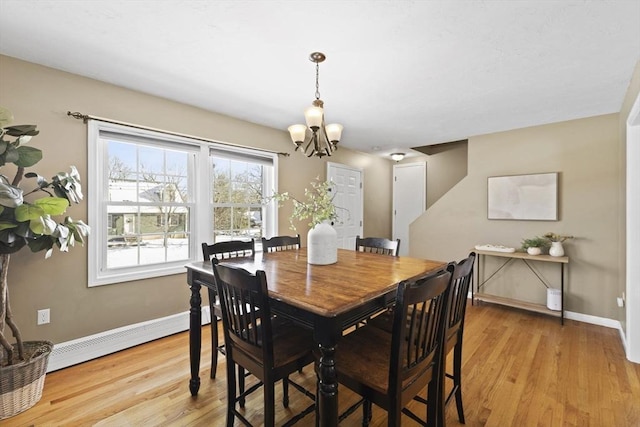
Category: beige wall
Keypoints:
(632, 93)
(42, 96)
(445, 168)
(585, 152)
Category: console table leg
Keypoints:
(562, 294)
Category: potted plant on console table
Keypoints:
(26, 221)
(535, 245)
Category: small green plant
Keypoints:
(535, 242)
(317, 207)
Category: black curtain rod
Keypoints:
(87, 117)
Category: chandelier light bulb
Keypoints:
(298, 133)
(334, 132)
(313, 116)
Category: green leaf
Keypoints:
(52, 205)
(28, 156)
(11, 155)
(27, 212)
(41, 243)
(22, 130)
(5, 225)
(5, 117)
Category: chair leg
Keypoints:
(214, 344)
(269, 403)
(285, 392)
(241, 377)
(435, 407)
(394, 416)
(457, 379)
(231, 392)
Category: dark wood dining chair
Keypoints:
(220, 251)
(281, 243)
(268, 347)
(461, 280)
(391, 369)
(378, 245)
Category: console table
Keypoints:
(478, 295)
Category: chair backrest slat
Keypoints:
(281, 243)
(460, 282)
(246, 313)
(378, 245)
(229, 249)
(418, 325)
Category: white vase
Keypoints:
(556, 249)
(322, 244)
(534, 251)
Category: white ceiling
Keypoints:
(398, 73)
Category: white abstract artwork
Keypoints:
(523, 197)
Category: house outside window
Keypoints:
(155, 197)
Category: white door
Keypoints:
(349, 200)
(633, 234)
(409, 199)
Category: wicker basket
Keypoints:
(21, 384)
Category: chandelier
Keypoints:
(323, 139)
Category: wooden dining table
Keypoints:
(324, 298)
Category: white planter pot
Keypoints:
(556, 249)
(534, 251)
(322, 244)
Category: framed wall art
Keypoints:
(531, 197)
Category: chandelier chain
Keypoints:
(317, 80)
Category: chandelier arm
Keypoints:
(326, 138)
(306, 148)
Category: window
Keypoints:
(239, 186)
(154, 197)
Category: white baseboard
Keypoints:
(594, 320)
(587, 318)
(83, 349)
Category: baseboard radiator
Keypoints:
(83, 349)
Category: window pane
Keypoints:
(153, 249)
(237, 199)
(151, 160)
(122, 160)
(178, 247)
(123, 253)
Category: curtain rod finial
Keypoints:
(77, 115)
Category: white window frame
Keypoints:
(269, 185)
(201, 215)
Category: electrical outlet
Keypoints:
(44, 316)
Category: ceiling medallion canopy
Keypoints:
(323, 139)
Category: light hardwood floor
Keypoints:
(519, 369)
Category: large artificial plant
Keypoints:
(27, 215)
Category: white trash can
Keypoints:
(554, 299)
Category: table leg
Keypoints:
(327, 398)
(195, 336)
